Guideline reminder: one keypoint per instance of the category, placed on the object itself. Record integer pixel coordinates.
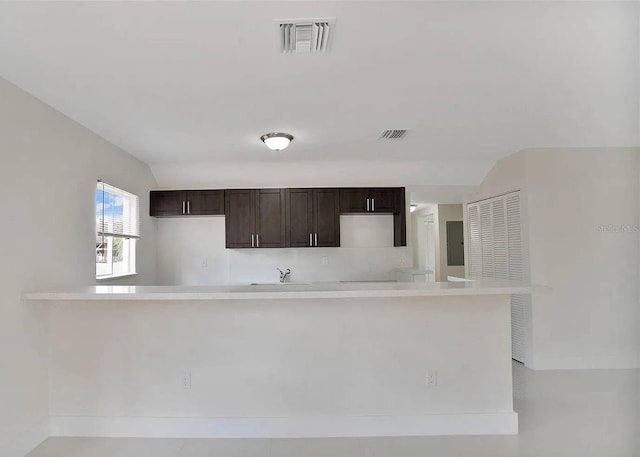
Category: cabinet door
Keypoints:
(326, 217)
(205, 202)
(270, 218)
(400, 219)
(299, 217)
(384, 200)
(165, 203)
(353, 200)
(240, 220)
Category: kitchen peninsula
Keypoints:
(268, 360)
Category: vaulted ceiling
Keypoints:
(179, 84)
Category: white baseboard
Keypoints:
(291, 427)
(27, 441)
(586, 363)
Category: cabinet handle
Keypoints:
(252, 240)
(188, 207)
(257, 240)
(310, 239)
(367, 204)
(316, 240)
(183, 210)
(373, 204)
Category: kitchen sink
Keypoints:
(280, 284)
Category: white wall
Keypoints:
(49, 166)
(590, 319)
(288, 172)
(301, 362)
(191, 251)
(442, 195)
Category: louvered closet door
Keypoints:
(495, 251)
(475, 246)
(486, 239)
(499, 233)
(516, 272)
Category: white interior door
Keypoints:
(430, 246)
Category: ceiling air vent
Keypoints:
(392, 134)
(304, 35)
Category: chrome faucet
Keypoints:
(284, 274)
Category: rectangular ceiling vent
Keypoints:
(395, 134)
(304, 35)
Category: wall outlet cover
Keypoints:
(186, 381)
(432, 378)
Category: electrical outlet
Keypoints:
(432, 378)
(325, 260)
(186, 381)
(205, 263)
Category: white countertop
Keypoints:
(414, 271)
(289, 291)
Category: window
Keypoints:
(117, 229)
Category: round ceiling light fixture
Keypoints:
(276, 141)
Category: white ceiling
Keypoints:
(200, 82)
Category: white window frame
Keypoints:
(109, 232)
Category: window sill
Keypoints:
(106, 278)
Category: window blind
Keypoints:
(116, 212)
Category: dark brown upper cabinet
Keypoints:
(385, 200)
(400, 219)
(270, 218)
(376, 200)
(240, 218)
(299, 217)
(380, 200)
(167, 203)
(354, 200)
(163, 203)
(326, 213)
(255, 218)
(276, 218)
(205, 202)
(313, 218)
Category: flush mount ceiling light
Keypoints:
(276, 141)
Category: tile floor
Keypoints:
(562, 414)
